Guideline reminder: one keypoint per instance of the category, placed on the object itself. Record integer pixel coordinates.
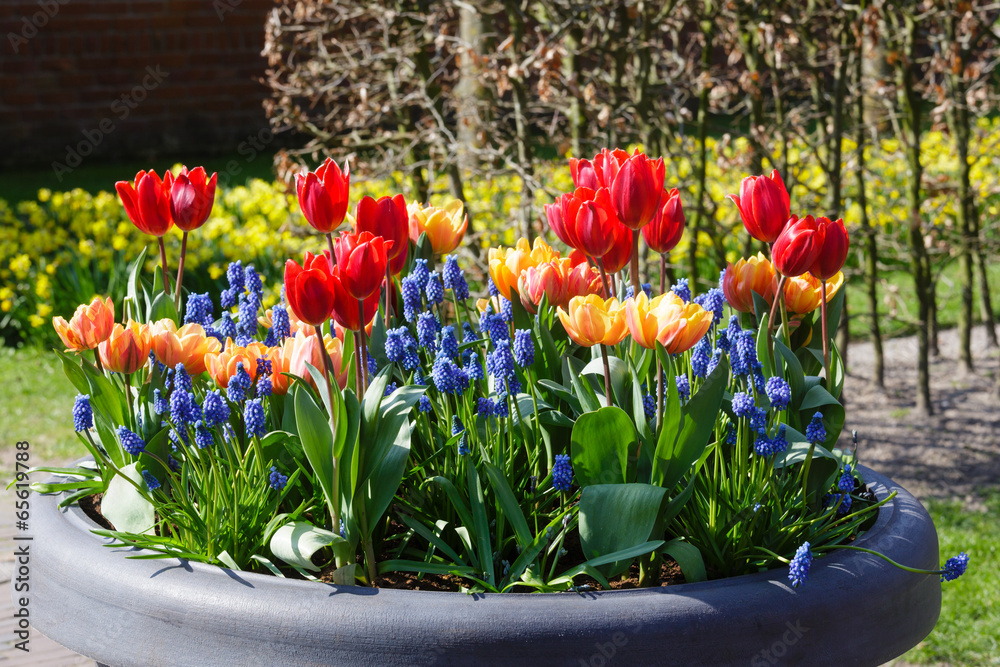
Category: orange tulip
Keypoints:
(754, 274)
(559, 281)
(507, 264)
(187, 345)
(590, 320)
(306, 349)
(223, 365)
(90, 325)
(126, 350)
(803, 294)
(444, 225)
(667, 319)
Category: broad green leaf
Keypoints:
(793, 372)
(163, 308)
(763, 354)
(599, 446)
(480, 523)
(297, 541)
(384, 481)
(585, 394)
(619, 375)
(511, 510)
(614, 517)
(689, 558)
(317, 442)
(126, 508)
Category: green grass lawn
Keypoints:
(37, 404)
(969, 630)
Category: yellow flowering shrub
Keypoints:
(59, 249)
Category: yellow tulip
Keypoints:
(803, 294)
(444, 225)
(90, 325)
(590, 320)
(507, 264)
(667, 319)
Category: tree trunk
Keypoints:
(985, 302)
(707, 30)
(909, 101)
(868, 232)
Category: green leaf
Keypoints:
(618, 516)
(599, 446)
(674, 459)
(128, 510)
(163, 308)
(689, 558)
(763, 354)
(480, 524)
(793, 372)
(297, 541)
(834, 414)
(585, 394)
(511, 510)
(317, 441)
(384, 481)
(432, 537)
(619, 375)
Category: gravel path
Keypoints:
(955, 453)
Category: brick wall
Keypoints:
(128, 78)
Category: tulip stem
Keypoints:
(779, 295)
(329, 244)
(663, 274)
(604, 277)
(388, 295)
(634, 265)
(364, 347)
(335, 504)
(826, 336)
(97, 361)
(163, 266)
(180, 272)
(607, 375)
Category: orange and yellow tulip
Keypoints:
(126, 350)
(668, 320)
(187, 345)
(590, 320)
(507, 264)
(306, 349)
(223, 365)
(444, 225)
(803, 293)
(90, 325)
(559, 281)
(754, 274)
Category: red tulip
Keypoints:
(191, 198)
(554, 216)
(323, 195)
(587, 221)
(833, 252)
(667, 227)
(363, 258)
(345, 307)
(397, 263)
(584, 175)
(386, 217)
(148, 202)
(798, 247)
(636, 190)
(606, 165)
(310, 288)
(764, 206)
(621, 250)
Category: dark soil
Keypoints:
(91, 506)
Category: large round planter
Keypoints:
(856, 609)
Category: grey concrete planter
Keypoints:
(855, 610)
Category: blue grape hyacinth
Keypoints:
(83, 414)
(955, 567)
(798, 569)
(562, 473)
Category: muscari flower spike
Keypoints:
(202, 436)
(815, 431)
(742, 404)
(391, 387)
(276, 480)
(434, 290)
(424, 404)
(215, 409)
(778, 392)
(681, 289)
(454, 278)
(234, 390)
(83, 414)
(955, 567)
(683, 387)
(524, 348)
(151, 482)
(649, 406)
(420, 274)
(562, 473)
(426, 330)
(161, 405)
(198, 310)
(254, 417)
(798, 569)
(449, 343)
(131, 442)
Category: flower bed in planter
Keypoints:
(567, 429)
(858, 609)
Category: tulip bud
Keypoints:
(192, 196)
(636, 190)
(90, 325)
(385, 217)
(833, 252)
(764, 206)
(664, 232)
(310, 289)
(444, 225)
(798, 247)
(323, 195)
(747, 276)
(362, 259)
(147, 203)
(126, 350)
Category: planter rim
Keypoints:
(383, 626)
